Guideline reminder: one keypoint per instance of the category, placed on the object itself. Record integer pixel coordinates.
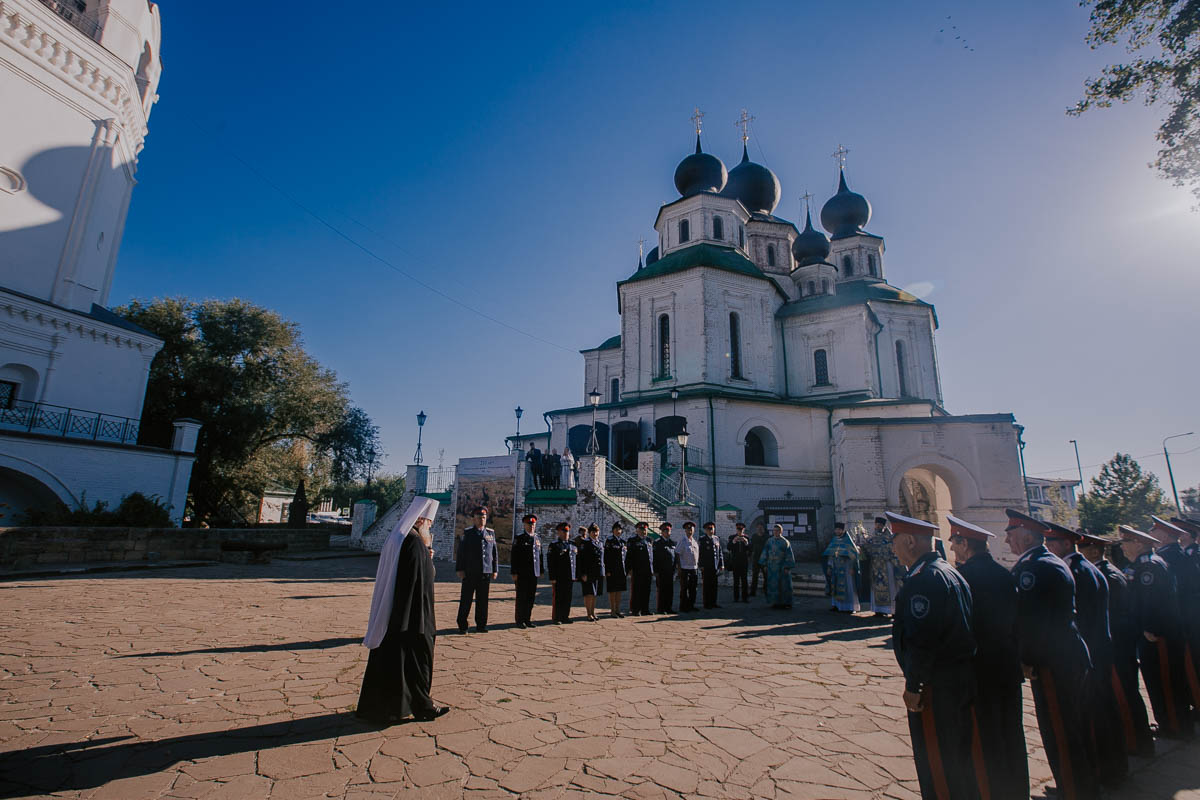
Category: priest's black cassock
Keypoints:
(400, 670)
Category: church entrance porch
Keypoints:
(626, 437)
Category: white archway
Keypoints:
(42, 476)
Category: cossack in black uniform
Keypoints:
(664, 568)
(712, 562)
(639, 566)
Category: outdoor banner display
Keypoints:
(486, 481)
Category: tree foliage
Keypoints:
(1190, 498)
(271, 414)
(1122, 494)
(385, 490)
(1163, 39)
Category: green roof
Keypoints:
(728, 507)
(611, 343)
(551, 497)
(441, 497)
(700, 255)
(851, 293)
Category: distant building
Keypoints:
(78, 83)
(275, 505)
(1044, 493)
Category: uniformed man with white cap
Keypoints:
(998, 701)
(932, 640)
(1053, 654)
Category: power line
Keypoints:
(1156, 453)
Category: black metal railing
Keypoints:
(69, 423)
(71, 11)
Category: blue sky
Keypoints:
(511, 157)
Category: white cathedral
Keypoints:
(808, 385)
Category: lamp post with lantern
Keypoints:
(421, 417)
(683, 440)
(518, 411)
(594, 400)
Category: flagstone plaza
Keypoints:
(239, 682)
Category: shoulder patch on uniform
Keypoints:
(1147, 578)
(1027, 580)
(919, 606)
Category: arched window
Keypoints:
(821, 367)
(812, 288)
(664, 346)
(901, 368)
(718, 228)
(741, 236)
(735, 346)
(847, 266)
(761, 448)
(685, 231)
(614, 390)
(770, 255)
(872, 265)
(824, 286)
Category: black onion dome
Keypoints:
(700, 172)
(652, 256)
(754, 185)
(846, 212)
(811, 246)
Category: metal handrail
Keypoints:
(668, 485)
(69, 423)
(626, 485)
(83, 22)
(440, 479)
(672, 454)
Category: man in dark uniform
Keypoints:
(1053, 655)
(535, 465)
(739, 562)
(639, 566)
(757, 542)
(997, 665)
(560, 568)
(932, 640)
(1123, 677)
(664, 568)
(712, 562)
(1160, 645)
(615, 551)
(1185, 573)
(1091, 617)
(475, 563)
(526, 568)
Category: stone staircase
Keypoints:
(635, 510)
(808, 585)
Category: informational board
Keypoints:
(486, 481)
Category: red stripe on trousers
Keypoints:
(1193, 683)
(1131, 745)
(929, 726)
(981, 776)
(1060, 734)
(1164, 669)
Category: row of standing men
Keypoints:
(1066, 620)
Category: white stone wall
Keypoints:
(75, 122)
(845, 334)
(699, 211)
(859, 250)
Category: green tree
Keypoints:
(1163, 38)
(1122, 494)
(1190, 499)
(385, 490)
(271, 413)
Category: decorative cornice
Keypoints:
(75, 323)
(100, 82)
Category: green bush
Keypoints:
(134, 511)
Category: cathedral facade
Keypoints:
(807, 384)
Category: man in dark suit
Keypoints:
(639, 566)
(933, 643)
(476, 565)
(535, 465)
(1053, 655)
(664, 568)
(996, 663)
(526, 569)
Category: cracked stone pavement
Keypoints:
(239, 681)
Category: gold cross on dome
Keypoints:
(840, 156)
(807, 198)
(697, 119)
(743, 122)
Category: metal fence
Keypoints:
(69, 423)
(440, 479)
(74, 12)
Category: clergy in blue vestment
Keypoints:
(843, 563)
(777, 557)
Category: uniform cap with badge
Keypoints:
(529, 518)
(915, 527)
(1166, 528)
(1056, 531)
(1019, 519)
(1189, 525)
(960, 527)
(1129, 534)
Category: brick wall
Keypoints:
(27, 547)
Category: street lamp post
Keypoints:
(674, 397)
(1024, 480)
(518, 411)
(683, 440)
(421, 417)
(1170, 474)
(594, 400)
(1078, 467)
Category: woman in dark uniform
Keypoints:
(589, 568)
(614, 569)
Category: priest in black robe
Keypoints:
(402, 628)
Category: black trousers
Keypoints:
(687, 590)
(1135, 723)
(1059, 700)
(1002, 739)
(755, 570)
(476, 586)
(666, 587)
(398, 677)
(562, 600)
(639, 593)
(1162, 665)
(710, 587)
(526, 595)
(739, 584)
(1108, 741)
(941, 740)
